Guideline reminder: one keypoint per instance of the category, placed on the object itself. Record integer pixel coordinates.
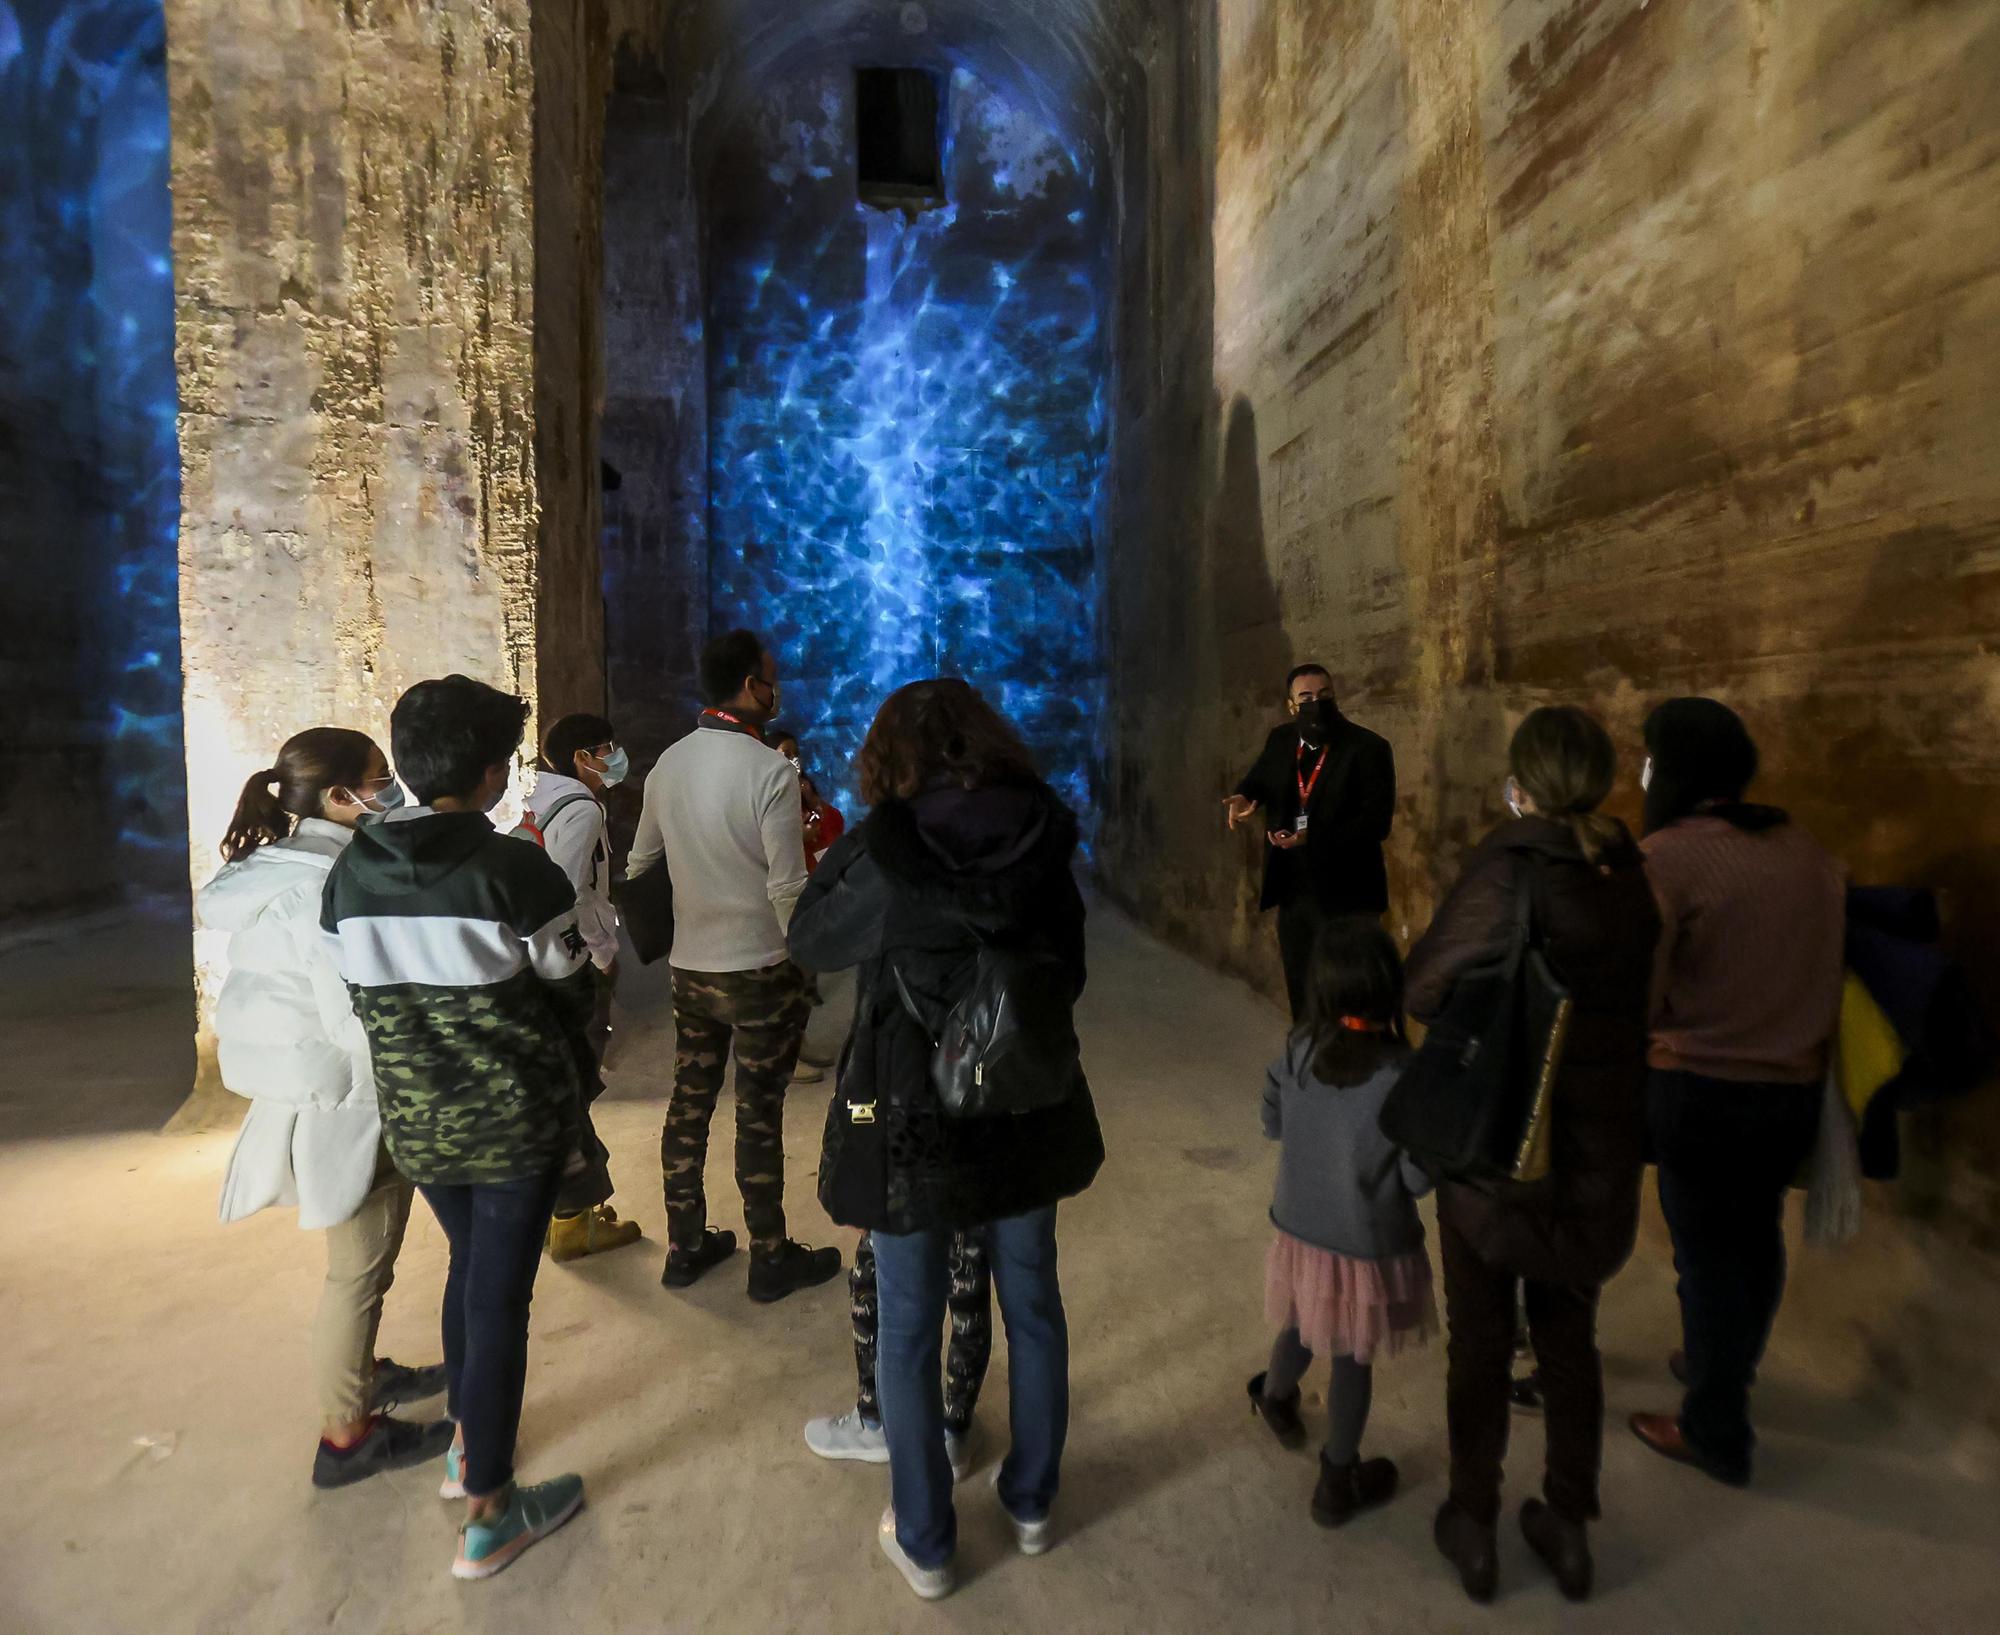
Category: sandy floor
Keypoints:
(158, 1419)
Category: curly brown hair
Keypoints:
(939, 732)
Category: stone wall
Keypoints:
(1593, 351)
(906, 419)
(572, 72)
(363, 413)
(90, 781)
(655, 431)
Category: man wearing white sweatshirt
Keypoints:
(722, 817)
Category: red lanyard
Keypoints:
(737, 722)
(1308, 785)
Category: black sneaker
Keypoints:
(1525, 1393)
(391, 1444)
(397, 1386)
(686, 1266)
(792, 1268)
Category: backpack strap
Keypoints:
(910, 1004)
(549, 817)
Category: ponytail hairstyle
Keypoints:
(1562, 757)
(1354, 1002)
(311, 763)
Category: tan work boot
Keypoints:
(592, 1233)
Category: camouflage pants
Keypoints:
(970, 1348)
(763, 1013)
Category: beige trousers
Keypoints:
(360, 1266)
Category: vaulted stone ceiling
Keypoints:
(1068, 59)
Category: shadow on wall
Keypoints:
(1894, 808)
(1253, 647)
(1252, 654)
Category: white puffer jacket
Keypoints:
(288, 1037)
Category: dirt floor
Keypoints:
(159, 1421)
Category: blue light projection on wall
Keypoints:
(87, 329)
(907, 423)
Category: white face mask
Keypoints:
(379, 804)
(1646, 775)
(616, 767)
(1512, 796)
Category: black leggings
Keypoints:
(1347, 1403)
(970, 1303)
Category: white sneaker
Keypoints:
(930, 1583)
(959, 1450)
(1033, 1538)
(848, 1436)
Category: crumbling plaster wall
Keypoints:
(1595, 351)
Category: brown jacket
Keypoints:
(1601, 927)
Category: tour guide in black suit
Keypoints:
(1327, 789)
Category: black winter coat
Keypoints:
(1353, 803)
(1602, 928)
(896, 893)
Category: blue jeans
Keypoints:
(912, 1279)
(496, 1231)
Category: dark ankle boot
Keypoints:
(1345, 1489)
(1563, 1545)
(1280, 1413)
(1470, 1546)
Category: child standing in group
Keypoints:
(581, 758)
(1347, 1275)
(472, 980)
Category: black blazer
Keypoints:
(1353, 803)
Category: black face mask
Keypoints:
(1316, 719)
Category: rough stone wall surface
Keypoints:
(1594, 351)
(655, 431)
(572, 64)
(355, 259)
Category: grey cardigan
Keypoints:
(1341, 1184)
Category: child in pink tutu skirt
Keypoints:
(1347, 1276)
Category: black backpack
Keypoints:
(1474, 1103)
(1008, 1045)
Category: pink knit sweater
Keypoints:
(1751, 956)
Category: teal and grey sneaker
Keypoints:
(453, 1486)
(532, 1513)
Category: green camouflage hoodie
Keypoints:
(461, 948)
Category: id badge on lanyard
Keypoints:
(1306, 788)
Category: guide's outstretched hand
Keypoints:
(1241, 808)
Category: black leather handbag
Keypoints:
(1008, 1046)
(1474, 1103)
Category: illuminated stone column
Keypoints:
(371, 447)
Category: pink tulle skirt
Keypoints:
(1344, 1307)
